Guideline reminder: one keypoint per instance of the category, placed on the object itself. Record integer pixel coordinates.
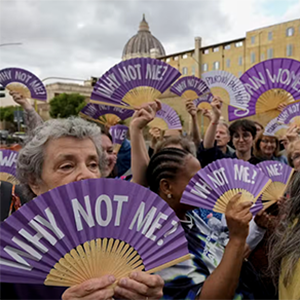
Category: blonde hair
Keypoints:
(291, 149)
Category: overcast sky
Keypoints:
(79, 39)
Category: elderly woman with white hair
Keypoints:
(63, 151)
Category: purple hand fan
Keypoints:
(166, 118)
(8, 160)
(134, 82)
(190, 87)
(88, 229)
(269, 84)
(118, 134)
(290, 115)
(213, 186)
(24, 82)
(228, 87)
(105, 114)
(273, 128)
(280, 174)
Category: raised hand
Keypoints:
(20, 99)
(238, 216)
(144, 115)
(216, 105)
(191, 108)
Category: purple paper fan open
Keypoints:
(84, 211)
(95, 111)
(276, 73)
(33, 83)
(289, 113)
(190, 83)
(170, 116)
(276, 170)
(217, 178)
(118, 133)
(273, 127)
(8, 160)
(203, 99)
(131, 74)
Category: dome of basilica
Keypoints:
(141, 43)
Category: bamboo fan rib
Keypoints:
(19, 88)
(9, 178)
(93, 260)
(140, 95)
(189, 95)
(271, 99)
(222, 93)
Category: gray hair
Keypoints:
(31, 156)
(285, 241)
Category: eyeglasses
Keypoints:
(268, 142)
(245, 136)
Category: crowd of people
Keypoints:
(234, 256)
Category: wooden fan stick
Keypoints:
(169, 264)
(91, 119)
(114, 105)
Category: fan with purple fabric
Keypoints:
(134, 82)
(118, 134)
(280, 174)
(213, 186)
(270, 83)
(105, 114)
(290, 115)
(88, 229)
(166, 118)
(23, 82)
(8, 160)
(228, 87)
(273, 128)
(190, 87)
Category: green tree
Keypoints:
(66, 105)
(7, 113)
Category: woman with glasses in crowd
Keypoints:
(267, 148)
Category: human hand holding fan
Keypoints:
(134, 82)
(8, 160)
(23, 82)
(280, 174)
(213, 186)
(88, 229)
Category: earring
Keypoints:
(169, 196)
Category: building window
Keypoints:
(252, 39)
(270, 36)
(228, 63)
(262, 56)
(252, 58)
(168, 59)
(184, 56)
(227, 47)
(216, 65)
(290, 31)
(289, 50)
(216, 49)
(184, 71)
(206, 51)
(239, 44)
(240, 61)
(193, 70)
(204, 67)
(270, 53)
(240, 73)
(176, 58)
